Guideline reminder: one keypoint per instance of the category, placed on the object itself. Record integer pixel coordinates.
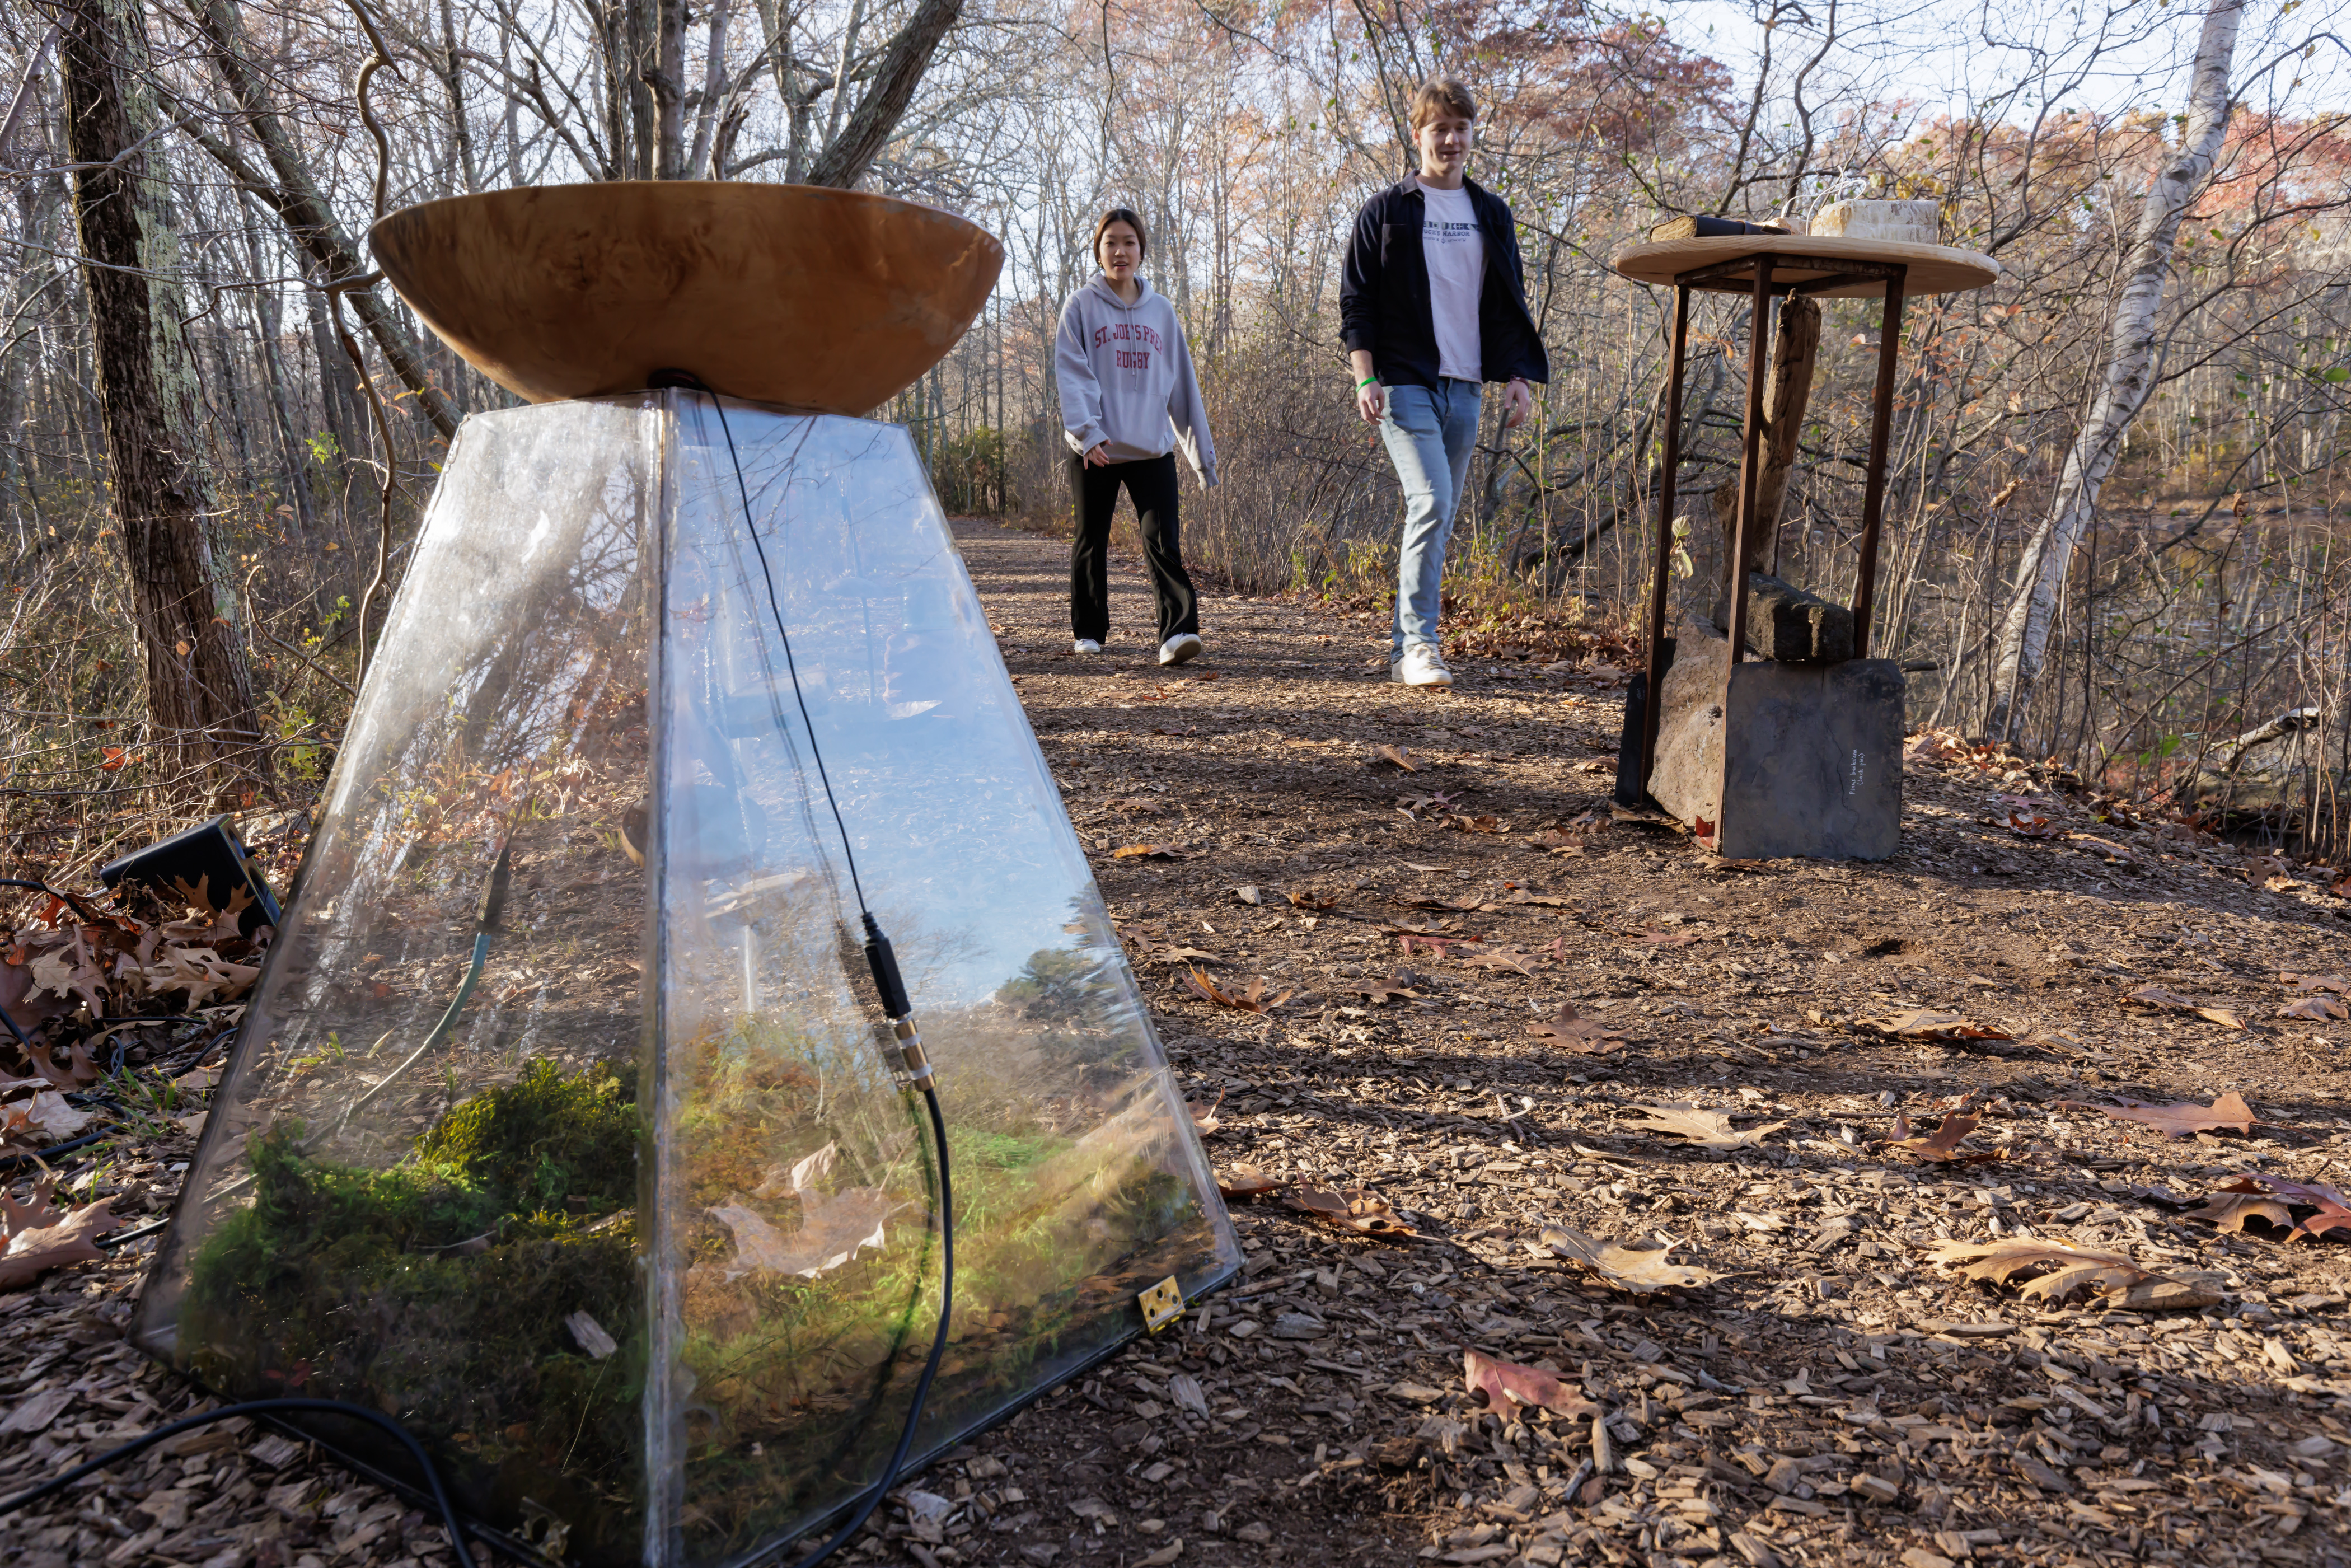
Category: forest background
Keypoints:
(2117, 493)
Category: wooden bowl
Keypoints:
(831, 302)
(1934, 268)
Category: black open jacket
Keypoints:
(1384, 292)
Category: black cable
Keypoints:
(261, 1407)
(125, 1238)
(36, 1156)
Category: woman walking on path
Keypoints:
(1432, 305)
(1128, 399)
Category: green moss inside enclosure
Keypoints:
(438, 1291)
(441, 1290)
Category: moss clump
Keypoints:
(544, 1138)
(437, 1291)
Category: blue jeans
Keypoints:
(1429, 437)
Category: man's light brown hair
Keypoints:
(1441, 95)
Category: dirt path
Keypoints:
(1836, 1394)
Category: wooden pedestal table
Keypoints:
(1766, 758)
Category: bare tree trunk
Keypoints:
(712, 103)
(296, 199)
(2130, 378)
(845, 160)
(199, 692)
(666, 77)
(453, 78)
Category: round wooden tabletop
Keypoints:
(1934, 268)
(828, 300)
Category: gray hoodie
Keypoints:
(1126, 379)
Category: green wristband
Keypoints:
(1364, 382)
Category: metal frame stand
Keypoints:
(1727, 277)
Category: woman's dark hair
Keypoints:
(1120, 216)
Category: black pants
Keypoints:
(1151, 484)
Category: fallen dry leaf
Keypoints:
(1505, 1384)
(2334, 1208)
(1943, 1144)
(1312, 901)
(1204, 1117)
(1379, 993)
(1354, 1209)
(43, 1117)
(1707, 1129)
(1483, 824)
(1664, 938)
(2162, 999)
(1245, 1182)
(1922, 1023)
(2320, 1008)
(2230, 1210)
(833, 1229)
(1147, 852)
(1399, 757)
(40, 1236)
(1582, 1033)
(2107, 847)
(2340, 985)
(78, 1070)
(1515, 962)
(1140, 805)
(1182, 955)
(2177, 1121)
(2062, 1270)
(1432, 900)
(2033, 825)
(68, 972)
(1640, 1271)
(1252, 1000)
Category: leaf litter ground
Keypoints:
(1402, 1128)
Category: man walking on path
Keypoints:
(1432, 305)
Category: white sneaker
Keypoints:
(1085, 645)
(1181, 649)
(1421, 665)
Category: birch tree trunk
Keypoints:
(2130, 378)
(199, 692)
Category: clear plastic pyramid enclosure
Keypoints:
(561, 1127)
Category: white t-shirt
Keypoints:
(1455, 248)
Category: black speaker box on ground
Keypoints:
(209, 857)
